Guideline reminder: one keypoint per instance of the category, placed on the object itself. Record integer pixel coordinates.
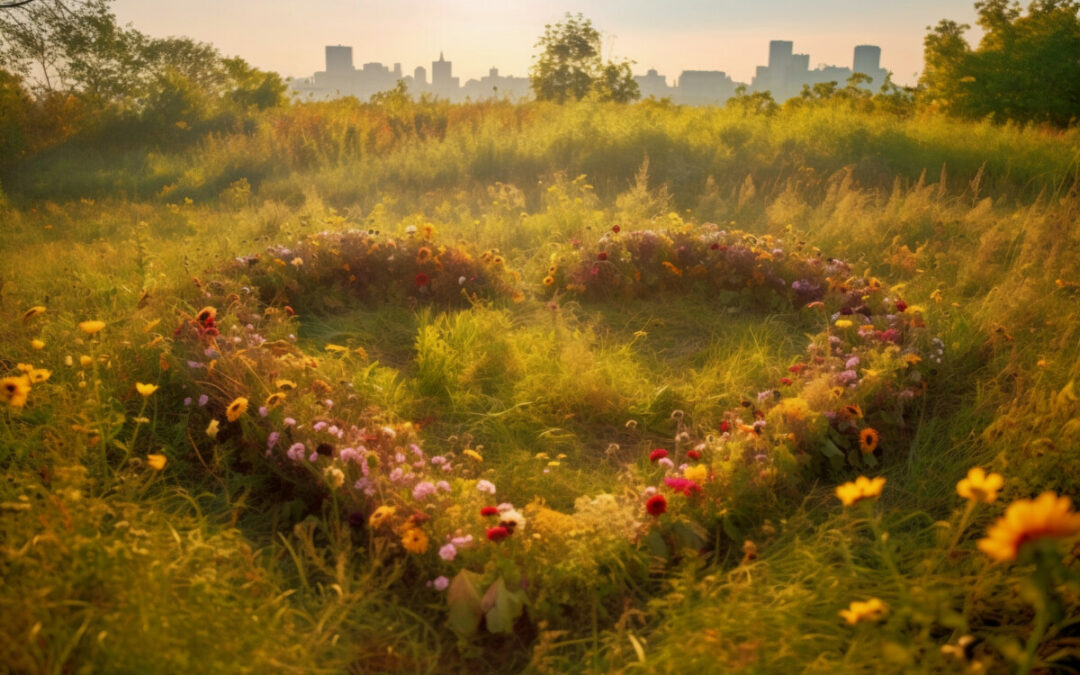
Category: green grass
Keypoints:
(226, 562)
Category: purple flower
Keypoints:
(263, 411)
(485, 486)
(423, 490)
(440, 583)
(203, 400)
(460, 542)
(852, 362)
(443, 485)
(313, 457)
(364, 468)
(290, 422)
(438, 459)
(296, 452)
(349, 455)
(272, 440)
(399, 458)
(195, 364)
(416, 449)
(847, 377)
(187, 401)
(319, 426)
(448, 552)
(764, 395)
(397, 474)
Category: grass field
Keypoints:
(365, 323)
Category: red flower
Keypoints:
(797, 368)
(693, 454)
(422, 280)
(724, 426)
(785, 380)
(497, 533)
(656, 505)
(657, 454)
(489, 511)
(901, 306)
(715, 247)
(602, 255)
(683, 486)
(615, 229)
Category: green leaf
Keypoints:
(503, 607)
(833, 453)
(463, 596)
(655, 543)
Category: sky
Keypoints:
(289, 36)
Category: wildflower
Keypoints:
(497, 533)
(443, 485)
(203, 400)
(414, 540)
(206, 315)
(656, 505)
(485, 486)
(657, 454)
(901, 306)
(38, 375)
(145, 389)
(381, 515)
(14, 390)
(615, 229)
(213, 428)
(91, 327)
(440, 583)
(979, 486)
(489, 511)
(693, 454)
(549, 280)
(683, 486)
(284, 384)
(423, 490)
(602, 255)
(868, 440)
(859, 489)
(237, 408)
(665, 462)
(697, 473)
(1027, 520)
(853, 410)
(85, 361)
(472, 454)
(335, 477)
(32, 312)
(272, 440)
(512, 520)
(422, 280)
(37, 344)
(156, 461)
(448, 552)
(871, 610)
(843, 323)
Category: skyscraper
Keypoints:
(338, 59)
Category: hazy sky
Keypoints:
(289, 36)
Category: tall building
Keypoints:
(704, 87)
(868, 62)
(652, 84)
(442, 74)
(338, 59)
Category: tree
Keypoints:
(570, 68)
(1025, 68)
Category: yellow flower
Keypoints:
(32, 312)
(861, 488)
(335, 348)
(548, 280)
(980, 487)
(472, 454)
(414, 540)
(274, 399)
(85, 361)
(156, 462)
(37, 344)
(284, 384)
(871, 610)
(91, 327)
(380, 516)
(1026, 520)
(697, 473)
(212, 428)
(843, 323)
(39, 375)
(237, 408)
(868, 440)
(145, 389)
(14, 390)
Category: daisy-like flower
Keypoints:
(859, 489)
(980, 486)
(38, 375)
(32, 312)
(871, 610)
(275, 399)
(1028, 520)
(156, 461)
(656, 505)
(381, 515)
(414, 540)
(14, 390)
(145, 390)
(91, 327)
(868, 440)
(284, 384)
(237, 408)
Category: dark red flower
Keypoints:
(901, 306)
(715, 247)
(422, 280)
(497, 533)
(785, 380)
(657, 454)
(489, 511)
(656, 505)
(615, 229)
(693, 454)
(797, 368)
(602, 255)
(724, 426)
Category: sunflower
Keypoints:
(275, 399)
(868, 440)
(284, 384)
(32, 312)
(14, 390)
(1027, 520)
(859, 489)
(381, 515)
(237, 408)
(39, 375)
(414, 540)
(549, 280)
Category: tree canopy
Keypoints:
(569, 66)
(1025, 68)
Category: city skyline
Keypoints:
(688, 35)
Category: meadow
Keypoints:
(418, 387)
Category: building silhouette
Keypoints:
(785, 76)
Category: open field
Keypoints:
(367, 322)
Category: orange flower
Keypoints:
(91, 327)
(859, 489)
(868, 440)
(237, 408)
(980, 487)
(1027, 520)
(14, 390)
